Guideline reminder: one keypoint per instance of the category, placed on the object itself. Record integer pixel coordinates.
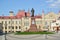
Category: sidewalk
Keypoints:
(34, 37)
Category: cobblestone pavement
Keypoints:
(0, 37)
(33, 37)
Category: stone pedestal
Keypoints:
(33, 27)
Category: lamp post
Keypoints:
(46, 26)
(11, 25)
(5, 31)
(46, 35)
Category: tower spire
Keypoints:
(11, 13)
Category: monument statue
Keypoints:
(32, 11)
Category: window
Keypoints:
(2, 22)
(12, 27)
(26, 18)
(5, 27)
(38, 22)
(9, 27)
(9, 22)
(16, 22)
(56, 23)
(2, 27)
(26, 23)
(16, 27)
(9, 31)
(5, 31)
(19, 27)
(12, 22)
(5, 22)
(46, 27)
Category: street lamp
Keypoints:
(46, 26)
(11, 25)
(5, 31)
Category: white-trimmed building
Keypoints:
(22, 21)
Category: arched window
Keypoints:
(19, 27)
(16, 27)
(16, 22)
(12, 27)
(5, 27)
(26, 23)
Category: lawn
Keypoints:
(25, 33)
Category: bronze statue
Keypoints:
(32, 12)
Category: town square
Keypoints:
(30, 20)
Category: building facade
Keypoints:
(23, 21)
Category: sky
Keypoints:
(38, 5)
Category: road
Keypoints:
(33, 37)
(0, 37)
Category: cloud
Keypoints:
(54, 3)
(49, 0)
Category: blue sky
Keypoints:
(38, 5)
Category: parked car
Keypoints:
(1, 32)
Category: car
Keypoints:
(1, 33)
